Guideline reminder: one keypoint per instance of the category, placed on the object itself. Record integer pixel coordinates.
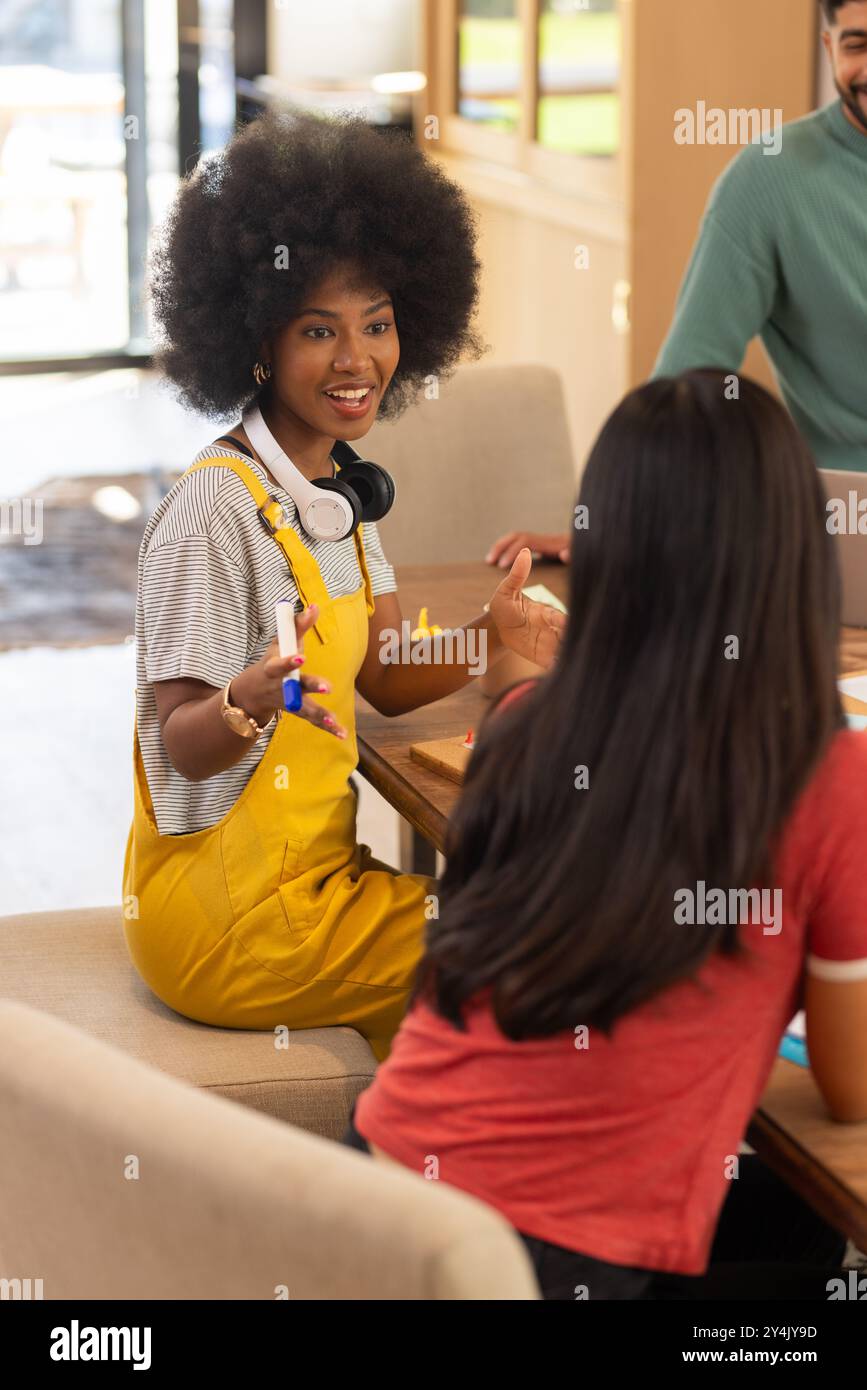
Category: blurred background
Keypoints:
(556, 116)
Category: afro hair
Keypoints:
(331, 192)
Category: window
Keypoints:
(63, 233)
(93, 96)
(534, 84)
(579, 61)
(489, 62)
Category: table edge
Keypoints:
(808, 1176)
(400, 794)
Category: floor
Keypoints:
(67, 659)
(100, 422)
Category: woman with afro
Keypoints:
(316, 271)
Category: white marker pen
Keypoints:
(288, 643)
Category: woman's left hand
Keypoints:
(533, 630)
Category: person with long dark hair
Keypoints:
(657, 858)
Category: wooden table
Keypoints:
(823, 1161)
(453, 595)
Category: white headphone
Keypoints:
(330, 508)
(326, 515)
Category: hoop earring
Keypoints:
(262, 373)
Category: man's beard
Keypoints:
(851, 104)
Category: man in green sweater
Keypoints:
(782, 253)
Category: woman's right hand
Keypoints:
(259, 689)
(532, 630)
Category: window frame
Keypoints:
(520, 151)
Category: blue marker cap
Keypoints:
(291, 694)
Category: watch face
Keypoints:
(239, 722)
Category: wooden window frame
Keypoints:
(519, 151)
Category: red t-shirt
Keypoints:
(621, 1149)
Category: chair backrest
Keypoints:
(491, 454)
(120, 1182)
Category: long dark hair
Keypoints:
(706, 523)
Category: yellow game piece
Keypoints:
(422, 630)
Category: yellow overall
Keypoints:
(275, 915)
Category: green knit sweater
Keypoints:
(782, 253)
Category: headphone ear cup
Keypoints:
(373, 487)
(338, 485)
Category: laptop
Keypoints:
(849, 492)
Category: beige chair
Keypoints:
(74, 965)
(117, 1182)
(492, 454)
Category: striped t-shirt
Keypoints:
(209, 576)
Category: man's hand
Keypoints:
(533, 630)
(503, 551)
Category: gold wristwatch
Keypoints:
(238, 719)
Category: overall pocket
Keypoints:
(272, 926)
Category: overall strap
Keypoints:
(305, 571)
(341, 453)
(362, 565)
